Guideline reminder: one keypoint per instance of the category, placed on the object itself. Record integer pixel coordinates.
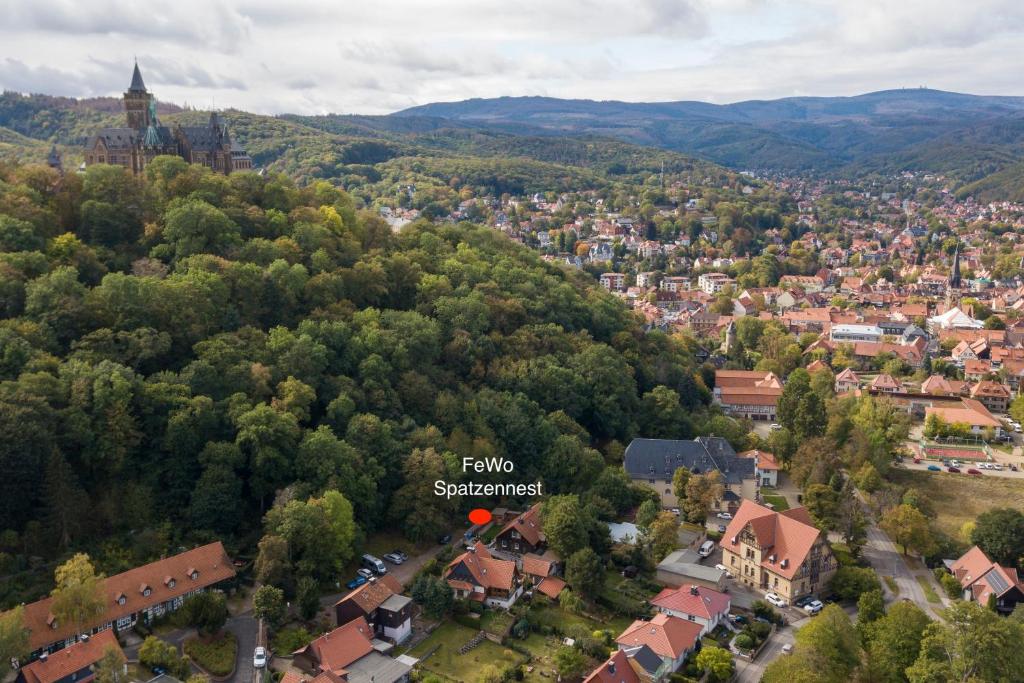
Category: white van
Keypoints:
(706, 548)
(374, 564)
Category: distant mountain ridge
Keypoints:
(966, 136)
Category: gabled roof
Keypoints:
(617, 669)
(699, 601)
(137, 85)
(372, 595)
(765, 460)
(336, 650)
(983, 577)
(486, 570)
(787, 536)
(662, 457)
(666, 635)
(210, 562)
(71, 659)
(535, 565)
(848, 375)
(528, 525)
(885, 381)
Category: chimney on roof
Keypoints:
(693, 590)
(611, 666)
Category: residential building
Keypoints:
(748, 393)
(885, 384)
(381, 603)
(670, 639)
(542, 573)
(981, 578)
(653, 462)
(993, 395)
(675, 283)
(713, 283)
(766, 467)
(954, 318)
(477, 575)
(847, 380)
(139, 594)
(73, 664)
(523, 534)
(613, 282)
(777, 551)
(348, 653)
(618, 668)
(699, 604)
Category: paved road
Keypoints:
(245, 628)
(751, 672)
(886, 560)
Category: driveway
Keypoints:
(751, 672)
(245, 627)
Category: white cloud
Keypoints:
(315, 56)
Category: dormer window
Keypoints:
(52, 621)
(145, 590)
(193, 573)
(169, 581)
(120, 599)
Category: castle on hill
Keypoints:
(144, 137)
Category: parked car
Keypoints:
(800, 602)
(367, 574)
(985, 466)
(813, 607)
(972, 470)
(774, 426)
(775, 599)
(721, 528)
(1013, 468)
(787, 649)
(738, 619)
(355, 583)
(445, 540)
(675, 511)
(706, 548)
(259, 657)
(393, 558)
(400, 554)
(997, 466)
(934, 468)
(723, 515)
(724, 569)
(953, 469)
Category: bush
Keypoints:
(850, 582)
(289, 640)
(765, 611)
(949, 584)
(744, 642)
(216, 655)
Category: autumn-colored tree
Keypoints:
(78, 597)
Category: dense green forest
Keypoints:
(176, 353)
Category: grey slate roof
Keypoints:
(203, 138)
(137, 84)
(662, 457)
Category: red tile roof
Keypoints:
(73, 658)
(342, 646)
(486, 570)
(210, 563)
(667, 636)
(551, 586)
(528, 525)
(617, 669)
(696, 600)
(787, 536)
(371, 595)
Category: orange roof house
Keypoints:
(334, 651)
(72, 663)
(748, 393)
(524, 534)
(477, 575)
(971, 413)
(982, 578)
(779, 551)
(670, 638)
(617, 669)
(150, 589)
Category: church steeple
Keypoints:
(137, 102)
(954, 274)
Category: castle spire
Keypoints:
(137, 84)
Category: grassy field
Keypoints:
(958, 498)
(779, 502)
(447, 660)
(216, 655)
(929, 592)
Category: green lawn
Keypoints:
(929, 592)
(216, 655)
(497, 621)
(449, 637)
(779, 502)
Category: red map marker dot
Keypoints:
(479, 516)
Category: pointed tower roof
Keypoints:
(137, 84)
(954, 275)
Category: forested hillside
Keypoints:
(176, 353)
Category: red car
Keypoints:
(955, 470)
(973, 471)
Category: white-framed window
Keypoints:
(124, 622)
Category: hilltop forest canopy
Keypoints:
(178, 353)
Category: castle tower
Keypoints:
(137, 102)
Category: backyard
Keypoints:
(444, 644)
(957, 498)
(779, 503)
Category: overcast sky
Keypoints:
(378, 56)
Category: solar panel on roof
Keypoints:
(997, 581)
